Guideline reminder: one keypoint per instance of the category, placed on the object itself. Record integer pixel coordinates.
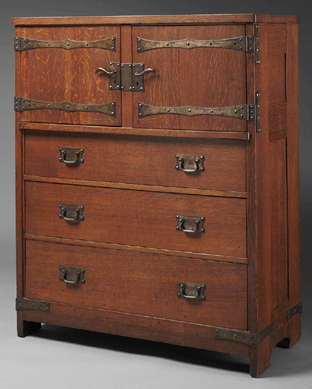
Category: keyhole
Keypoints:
(137, 82)
(114, 81)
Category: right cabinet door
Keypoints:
(191, 75)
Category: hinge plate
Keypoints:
(256, 44)
(125, 77)
(21, 44)
(244, 112)
(240, 43)
(22, 104)
(33, 305)
(296, 309)
(245, 337)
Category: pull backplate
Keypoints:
(70, 155)
(190, 163)
(71, 212)
(71, 275)
(191, 290)
(190, 224)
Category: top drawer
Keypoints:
(138, 160)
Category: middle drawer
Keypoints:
(139, 218)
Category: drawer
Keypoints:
(138, 218)
(137, 283)
(139, 160)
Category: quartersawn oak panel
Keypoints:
(162, 87)
(58, 75)
(138, 218)
(212, 77)
(138, 283)
(138, 160)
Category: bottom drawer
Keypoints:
(138, 283)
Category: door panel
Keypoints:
(59, 75)
(200, 77)
(162, 87)
(212, 77)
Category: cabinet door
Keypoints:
(58, 75)
(204, 77)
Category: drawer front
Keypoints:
(137, 283)
(55, 75)
(139, 160)
(203, 77)
(138, 218)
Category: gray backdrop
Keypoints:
(118, 362)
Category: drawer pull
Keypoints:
(71, 155)
(71, 212)
(190, 163)
(71, 275)
(191, 290)
(190, 224)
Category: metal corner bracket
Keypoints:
(23, 304)
(245, 337)
(296, 309)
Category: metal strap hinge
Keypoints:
(34, 305)
(245, 337)
(296, 309)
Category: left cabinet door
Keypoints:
(57, 66)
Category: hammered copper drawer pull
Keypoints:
(190, 224)
(71, 155)
(71, 212)
(71, 275)
(190, 163)
(191, 290)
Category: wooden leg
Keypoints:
(25, 328)
(260, 358)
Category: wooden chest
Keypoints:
(157, 179)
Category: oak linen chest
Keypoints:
(157, 179)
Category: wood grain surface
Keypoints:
(138, 218)
(138, 283)
(58, 75)
(194, 77)
(158, 19)
(138, 160)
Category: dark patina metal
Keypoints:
(71, 212)
(241, 43)
(257, 57)
(191, 290)
(22, 104)
(190, 163)
(296, 309)
(33, 305)
(21, 44)
(190, 224)
(245, 337)
(257, 114)
(71, 155)
(72, 275)
(238, 112)
(128, 77)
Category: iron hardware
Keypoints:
(257, 57)
(258, 116)
(190, 224)
(245, 337)
(191, 290)
(21, 44)
(71, 275)
(98, 70)
(296, 309)
(71, 212)
(149, 70)
(33, 305)
(127, 77)
(241, 43)
(71, 155)
(244, 112)
(190, 163)
(22, 104)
